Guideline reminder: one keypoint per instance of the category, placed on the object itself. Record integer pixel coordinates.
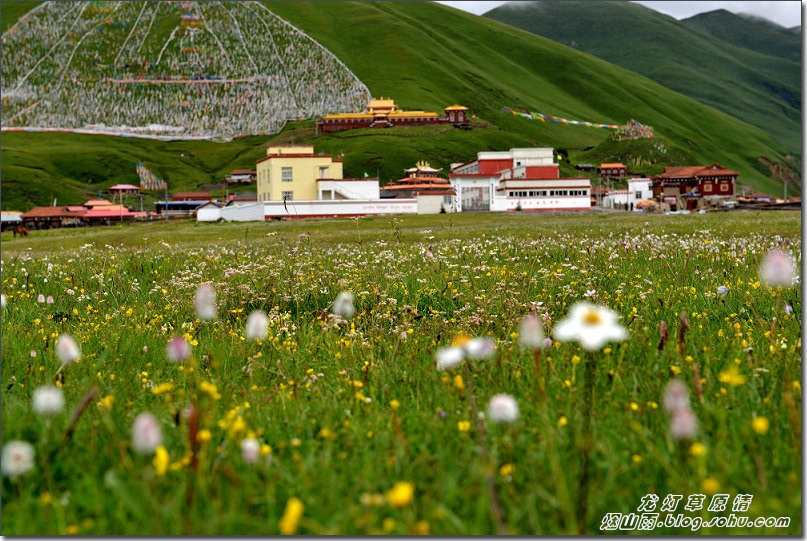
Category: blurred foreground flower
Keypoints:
(257, 324)
(66, 349)
(291, 516)
(205, 302)
(683, 424)
(343, 305)
(591, 325)
(178, 349)
(676, 396)
(48, 400)
(464, 347)
(250, 450)
(503, 408)
(531, 332)
(401, 494)
(18, 458)
(161, 460)
(778, 269)
(146, 433)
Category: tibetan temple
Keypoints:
(420, 180)
(383, 113)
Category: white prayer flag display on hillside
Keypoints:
(169, 70)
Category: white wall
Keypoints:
(541, 203)
(348, 189)
(338, 207)
(244, 212)
(208, 214)
(431, 204)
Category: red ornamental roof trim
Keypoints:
(442, 192)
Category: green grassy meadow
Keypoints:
(356, 431)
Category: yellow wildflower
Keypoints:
(697, 449)
(710, 485)
(162, 388)
(458, 383)
(760, 425)
(731, 376)
(161, 460)
(464, 426)
(401, 494)
(291, 516)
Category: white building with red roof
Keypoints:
(518, 179)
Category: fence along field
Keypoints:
(404, 376)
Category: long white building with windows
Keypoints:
(517, 179)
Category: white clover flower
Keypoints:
(48, 400)
(40, 298)
(250, 450)
(66, 349)
(448, 358)
(146, 433)
(591, 325)
(17, 458)
(205, 302)
(343, 305)
(502, 408)
(257, 325)
(531, 332)
(684, 425)
(676, 396)
(178, 349)
(778, 269)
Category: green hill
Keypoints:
(691, 58)
(424, 56)
(749, 32)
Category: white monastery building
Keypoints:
(518, 179)
(639, 189)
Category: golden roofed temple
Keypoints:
(384, 113)
(421, 179)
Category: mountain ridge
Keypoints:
(684, 56)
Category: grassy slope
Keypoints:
(456, 58)
(755, 34)
(760, 89)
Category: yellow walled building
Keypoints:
(292, 172)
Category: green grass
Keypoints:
(456, 58)
(350, 409)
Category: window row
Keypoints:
(550, 193)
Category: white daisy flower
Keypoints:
(591, 325)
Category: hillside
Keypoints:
(752, 85)
(424, 56)
(749, 32)
(210, 70)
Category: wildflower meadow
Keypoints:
(517, 374)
